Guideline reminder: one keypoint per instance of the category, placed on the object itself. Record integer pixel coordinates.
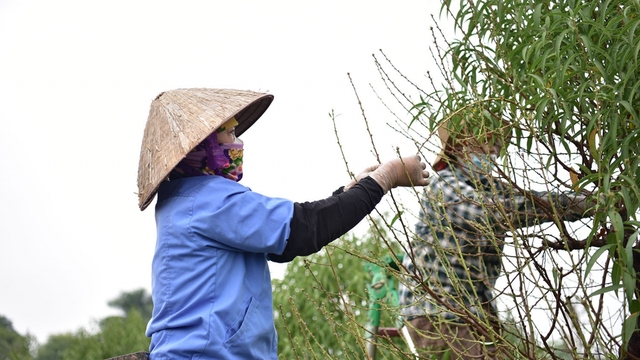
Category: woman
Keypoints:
(211, 286)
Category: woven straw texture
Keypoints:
(443, 134)
(180, 119)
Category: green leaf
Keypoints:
(629, 285)
(629, 326)
(629, 108)
(618, 225)
(629, 252)
(396, 217)
(616, 273)
(536, 15)
(606, 289)
(594, 258)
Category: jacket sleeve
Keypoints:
(316, 224)
(569, 206)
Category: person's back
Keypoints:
(456, 251)
(211, 287)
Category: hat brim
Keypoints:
(448, 144)
(439, 162)
(181, 119)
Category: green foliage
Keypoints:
(55, 347)
(138, 300)
(321, 306)
(113, 336)
(13, 345)
(116, 336)
(566, 74)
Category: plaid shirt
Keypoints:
(464, 220)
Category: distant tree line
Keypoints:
(112, 336)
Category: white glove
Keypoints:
(406, 171)
(366, 172)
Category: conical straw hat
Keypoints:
(443, 134)
(448, 141)
(181, 119)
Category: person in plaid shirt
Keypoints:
(454, 264)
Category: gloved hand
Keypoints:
(406, 171)
(366, 172)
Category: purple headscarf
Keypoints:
(208, 158)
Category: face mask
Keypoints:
(481, 163)
(212, 158)
(233, 153)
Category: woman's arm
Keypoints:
(316, 224)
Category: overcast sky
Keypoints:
(76, 82)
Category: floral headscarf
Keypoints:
(212, 158)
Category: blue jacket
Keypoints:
(210, 280)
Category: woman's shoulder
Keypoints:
(193, 186)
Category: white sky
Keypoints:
(76, 82)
